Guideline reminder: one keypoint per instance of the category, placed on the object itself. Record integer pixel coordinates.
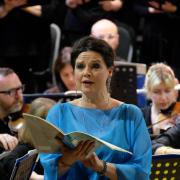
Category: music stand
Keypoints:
(62, 97)
(137, 82)
(165, 167)
(123, 83)
(24, 166)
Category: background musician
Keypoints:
(11, 102)
(160, 85)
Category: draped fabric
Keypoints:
(122, 126)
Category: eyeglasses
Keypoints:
(14, 91)
(104, 36)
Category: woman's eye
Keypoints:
(96, 66)
(79, 66)
(156, 92)
(168, 91)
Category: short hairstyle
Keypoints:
(5, 71)
(89, 43)
(159, 73)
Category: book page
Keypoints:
(74, 138)
(43, 135)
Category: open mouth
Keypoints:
(87, 83)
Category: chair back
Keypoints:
(24, 166)
(55, 46)
(165, 167)
(125, 49)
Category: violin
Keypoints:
(15, 121)
(172, 112)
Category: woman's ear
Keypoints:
(176, 92)
(176, 81)
(111, 71)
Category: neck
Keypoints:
(101, 102)
(2, 114)
(155, 109)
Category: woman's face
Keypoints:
(91, 72)
(162, 96)
(67, 76)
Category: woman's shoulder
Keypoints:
(59, 106)
(131, 109)
(123, 105)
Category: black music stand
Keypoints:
(165, 167)
(61, 97)
(24, 166)
(124, 83)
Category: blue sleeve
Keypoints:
(138, 167)
(50, 161)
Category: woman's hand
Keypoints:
(70, 156)
(166, 150)
(11, 4)
(169, 7)
(93, 162)
(75, 3)
(111, 5)
(154, 11)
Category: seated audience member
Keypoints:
(63, 72)
(30, 41)
(40, 106)
(81, 15)
(11, 101)
(100, 115)
(160, 31)
(160, 85)
(107, 30)
(168, 142)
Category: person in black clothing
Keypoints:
(11, 103)
(81, 15)
(168, 142)
(25, 39)
(11, 100)
(161, 38)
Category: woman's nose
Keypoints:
(163, 96)
(71, 78)
(87, 71)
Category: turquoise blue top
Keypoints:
(122, 126)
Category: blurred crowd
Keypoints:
(26, 39)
